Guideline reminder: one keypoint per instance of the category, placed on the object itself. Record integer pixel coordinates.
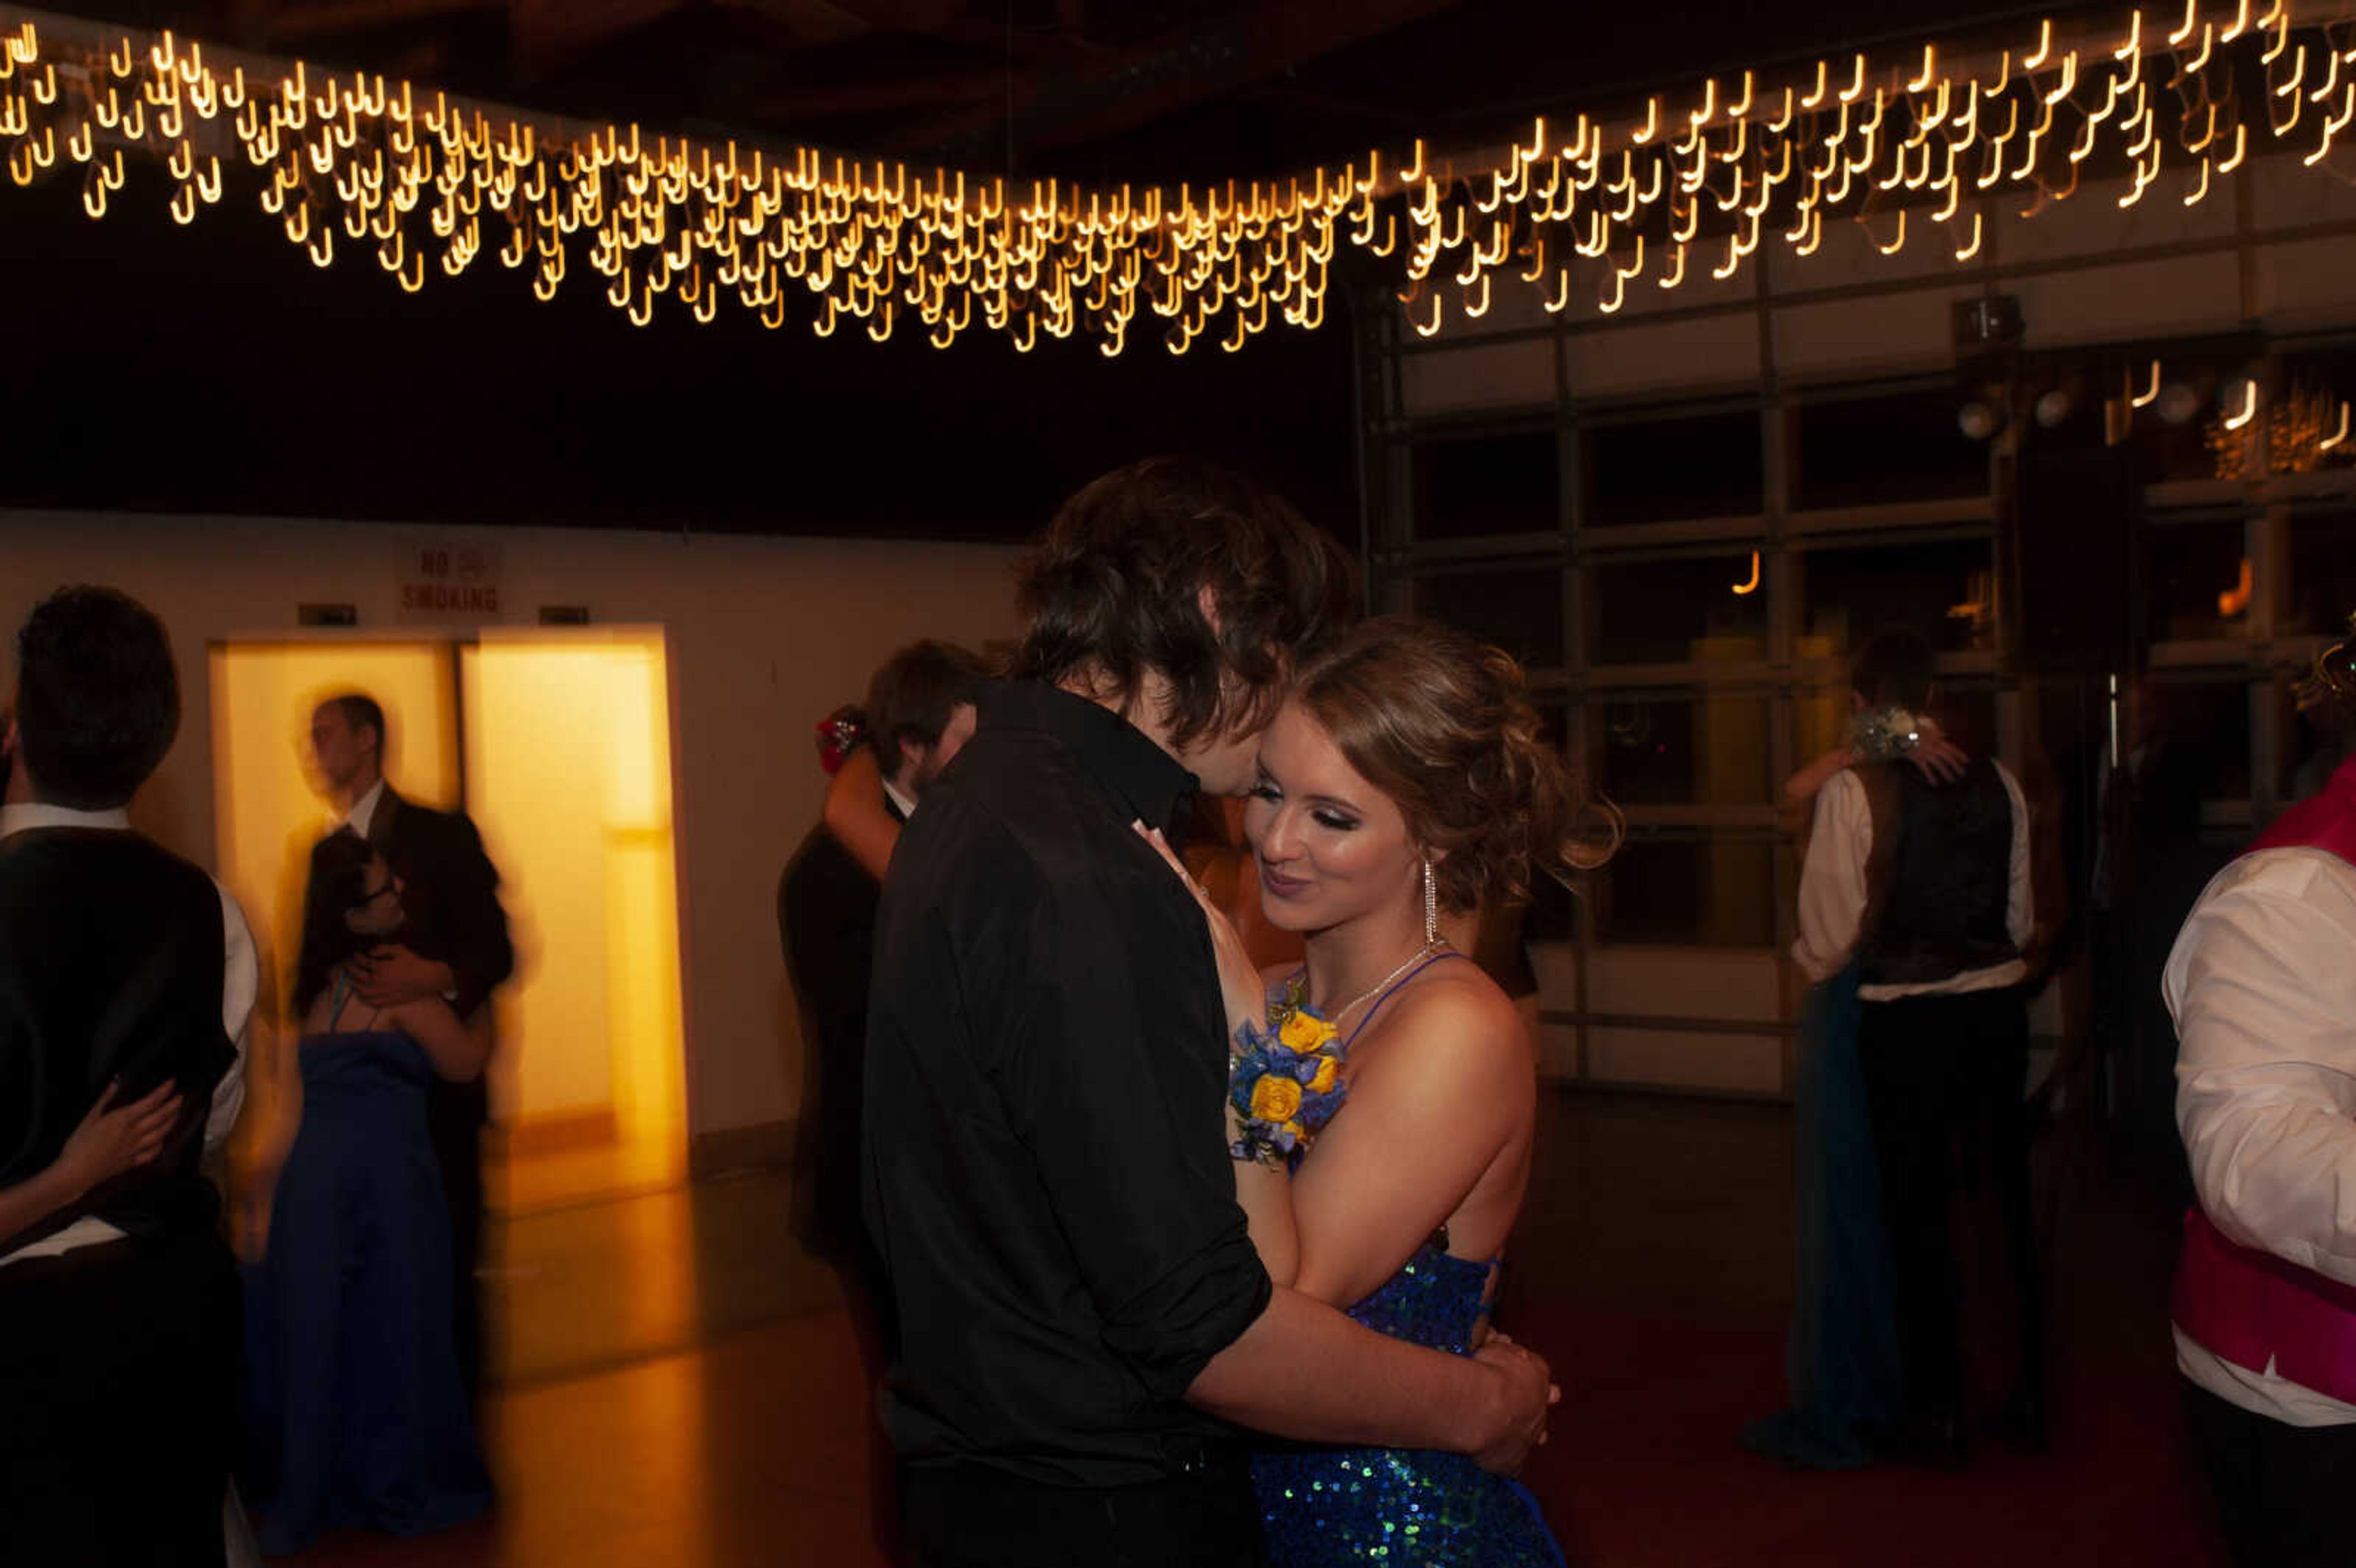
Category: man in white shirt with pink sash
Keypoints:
(2262, 984)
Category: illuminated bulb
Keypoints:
(2052, 408)
(2239, 400)
(1978, 419)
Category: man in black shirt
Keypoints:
(1081, 1309)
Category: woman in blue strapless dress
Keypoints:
(1385, 1094)
(355, 1411)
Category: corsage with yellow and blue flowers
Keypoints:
(1284, 1082)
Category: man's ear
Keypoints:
(912, 755)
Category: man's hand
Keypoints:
(388, 976)
(1524, 1394)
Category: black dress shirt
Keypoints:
(1047, 1175)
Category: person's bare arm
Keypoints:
(111, 1140)
(1934, 756)
(1441, 1110)
(456, 1052)
(1307, 1372)
(855, 813)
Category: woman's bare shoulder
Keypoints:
(1455, 1015)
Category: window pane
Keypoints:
(2322, 573)
(1944, 590)
(1679, 751)
(2171, 432)
(1690, 889)
(1906, 446)
(2194, 749)
(1709, 465)
(1488, 485)
(1671, 612)
(1518, 610)
(2192, 575)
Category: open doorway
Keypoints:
(568, 758)
(559, 745)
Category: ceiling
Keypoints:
(1126, 89)
(214, 370)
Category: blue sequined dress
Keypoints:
(1411, 1508)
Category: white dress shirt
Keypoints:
(362, 813)
(2262, 984)
(901, 798)
(1833, 894)
(240, 977)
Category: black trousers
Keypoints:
(118, 1404)
(964, 1516)
(2282, 1491)
(1937, 1069)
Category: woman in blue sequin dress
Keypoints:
(1403, 783)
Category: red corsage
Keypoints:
(838, 735)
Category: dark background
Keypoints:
(215, 370)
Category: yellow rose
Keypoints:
(1302, 1034)
(1327, 1071)
(1274, 1099)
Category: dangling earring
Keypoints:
(1431, 906)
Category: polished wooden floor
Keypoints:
(679, 1385)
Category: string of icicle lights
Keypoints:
(1920, 152)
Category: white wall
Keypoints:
(767, 635)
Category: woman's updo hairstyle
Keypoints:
(1440, 722)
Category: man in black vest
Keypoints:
(121, 967)
(1926, 887)
(456, 947)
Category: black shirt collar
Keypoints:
(1116, 754)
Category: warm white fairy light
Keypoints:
(362, 167)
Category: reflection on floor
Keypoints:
(679, 1385)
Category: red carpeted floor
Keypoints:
(1652, 1268)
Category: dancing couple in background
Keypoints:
(1129, 1193)
(1915, 915)
(363, 1319)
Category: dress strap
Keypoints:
(339, 996)
(1391, 990)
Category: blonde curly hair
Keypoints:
(1440, 722)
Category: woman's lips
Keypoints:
(1276, 884)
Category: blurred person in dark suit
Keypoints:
(919, 713)
(453, 946)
